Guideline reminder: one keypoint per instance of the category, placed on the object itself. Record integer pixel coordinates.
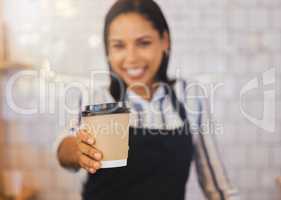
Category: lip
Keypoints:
(136, 75)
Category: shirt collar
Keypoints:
(158, 95)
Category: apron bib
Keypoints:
(157, 168)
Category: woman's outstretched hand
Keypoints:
(88, 156)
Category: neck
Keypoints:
(144, 91)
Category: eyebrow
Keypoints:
(144, 37)
(139, 38)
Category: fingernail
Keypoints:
(97, 165)
(92, 170)
(97, 156)
(90, 140)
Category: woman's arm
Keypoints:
(72, 149)
(212, 175)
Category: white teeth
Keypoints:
(135, 72)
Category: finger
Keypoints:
(90, 151)
(90, 170)
(85, 137)
(84, 166)
(89, 164)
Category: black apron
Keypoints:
(157, 167)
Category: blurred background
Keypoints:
(236, 43)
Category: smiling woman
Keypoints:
(163, 118)
(143, 50)
(135, 54)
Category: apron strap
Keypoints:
(177, 105)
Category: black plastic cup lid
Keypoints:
(107, 108)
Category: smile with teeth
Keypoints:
(136, 72)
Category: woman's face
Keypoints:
(135, 49)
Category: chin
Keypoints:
(132, 82)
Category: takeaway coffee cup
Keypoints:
(109, 124)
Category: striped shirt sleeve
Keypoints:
(211, 172)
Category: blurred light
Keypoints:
(94, 41)
(46, 65)
(65, 8)
(46, 71)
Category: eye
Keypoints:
(117, 46)
(144, 43)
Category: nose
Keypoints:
(131, 56)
